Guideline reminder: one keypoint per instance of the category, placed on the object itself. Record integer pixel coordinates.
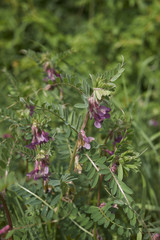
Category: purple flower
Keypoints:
(39, 137)
(156, 236)
(108, 151)
(115, 206)
(84, 141)
(98, 112)
(4, 229)
(51, 73)
(153, 122)
(7, 135)
(41, 169)
(118, 139)
(102, 205)
(114, 167)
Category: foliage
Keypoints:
(82, 54)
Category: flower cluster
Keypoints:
(84, 141)
(156, 236)
(39, 137)
(98, 112)
(41, 169)
(51, 73)
(114, 167)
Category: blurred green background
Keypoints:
(90, 36)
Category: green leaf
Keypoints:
(108, 177)
(106, 224)
(89, 166)
(73, 118)
(92, 209)
(91, 173)
(125, 188)
(80, 105)
(54, 183)
(79, 122)
(120, 230)
(50, 214)
(10, 233)
(133, 221)
(113, 226)
(114, 189)
(95, 180)
(99, 93)
(44, 211)
(101, 221)
(116, 76)
(61, 112)
(89, 225)
(104, 171)
(130, 213)
(96, 216)
(120, 172)
(139, 235)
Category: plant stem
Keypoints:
(7, 212)
(73, 157)
(95, 232)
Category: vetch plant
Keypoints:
(68, 163)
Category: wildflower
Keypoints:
(4, 229)
(39, 137)
(114, 167)
(84, 141)
(7, 135)
(102, 205)
(153, 122)
(98, 112)
(41, 169)
(156, 236)
(118, 139)
(51, 73)
(115, 206)
(108, 151)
